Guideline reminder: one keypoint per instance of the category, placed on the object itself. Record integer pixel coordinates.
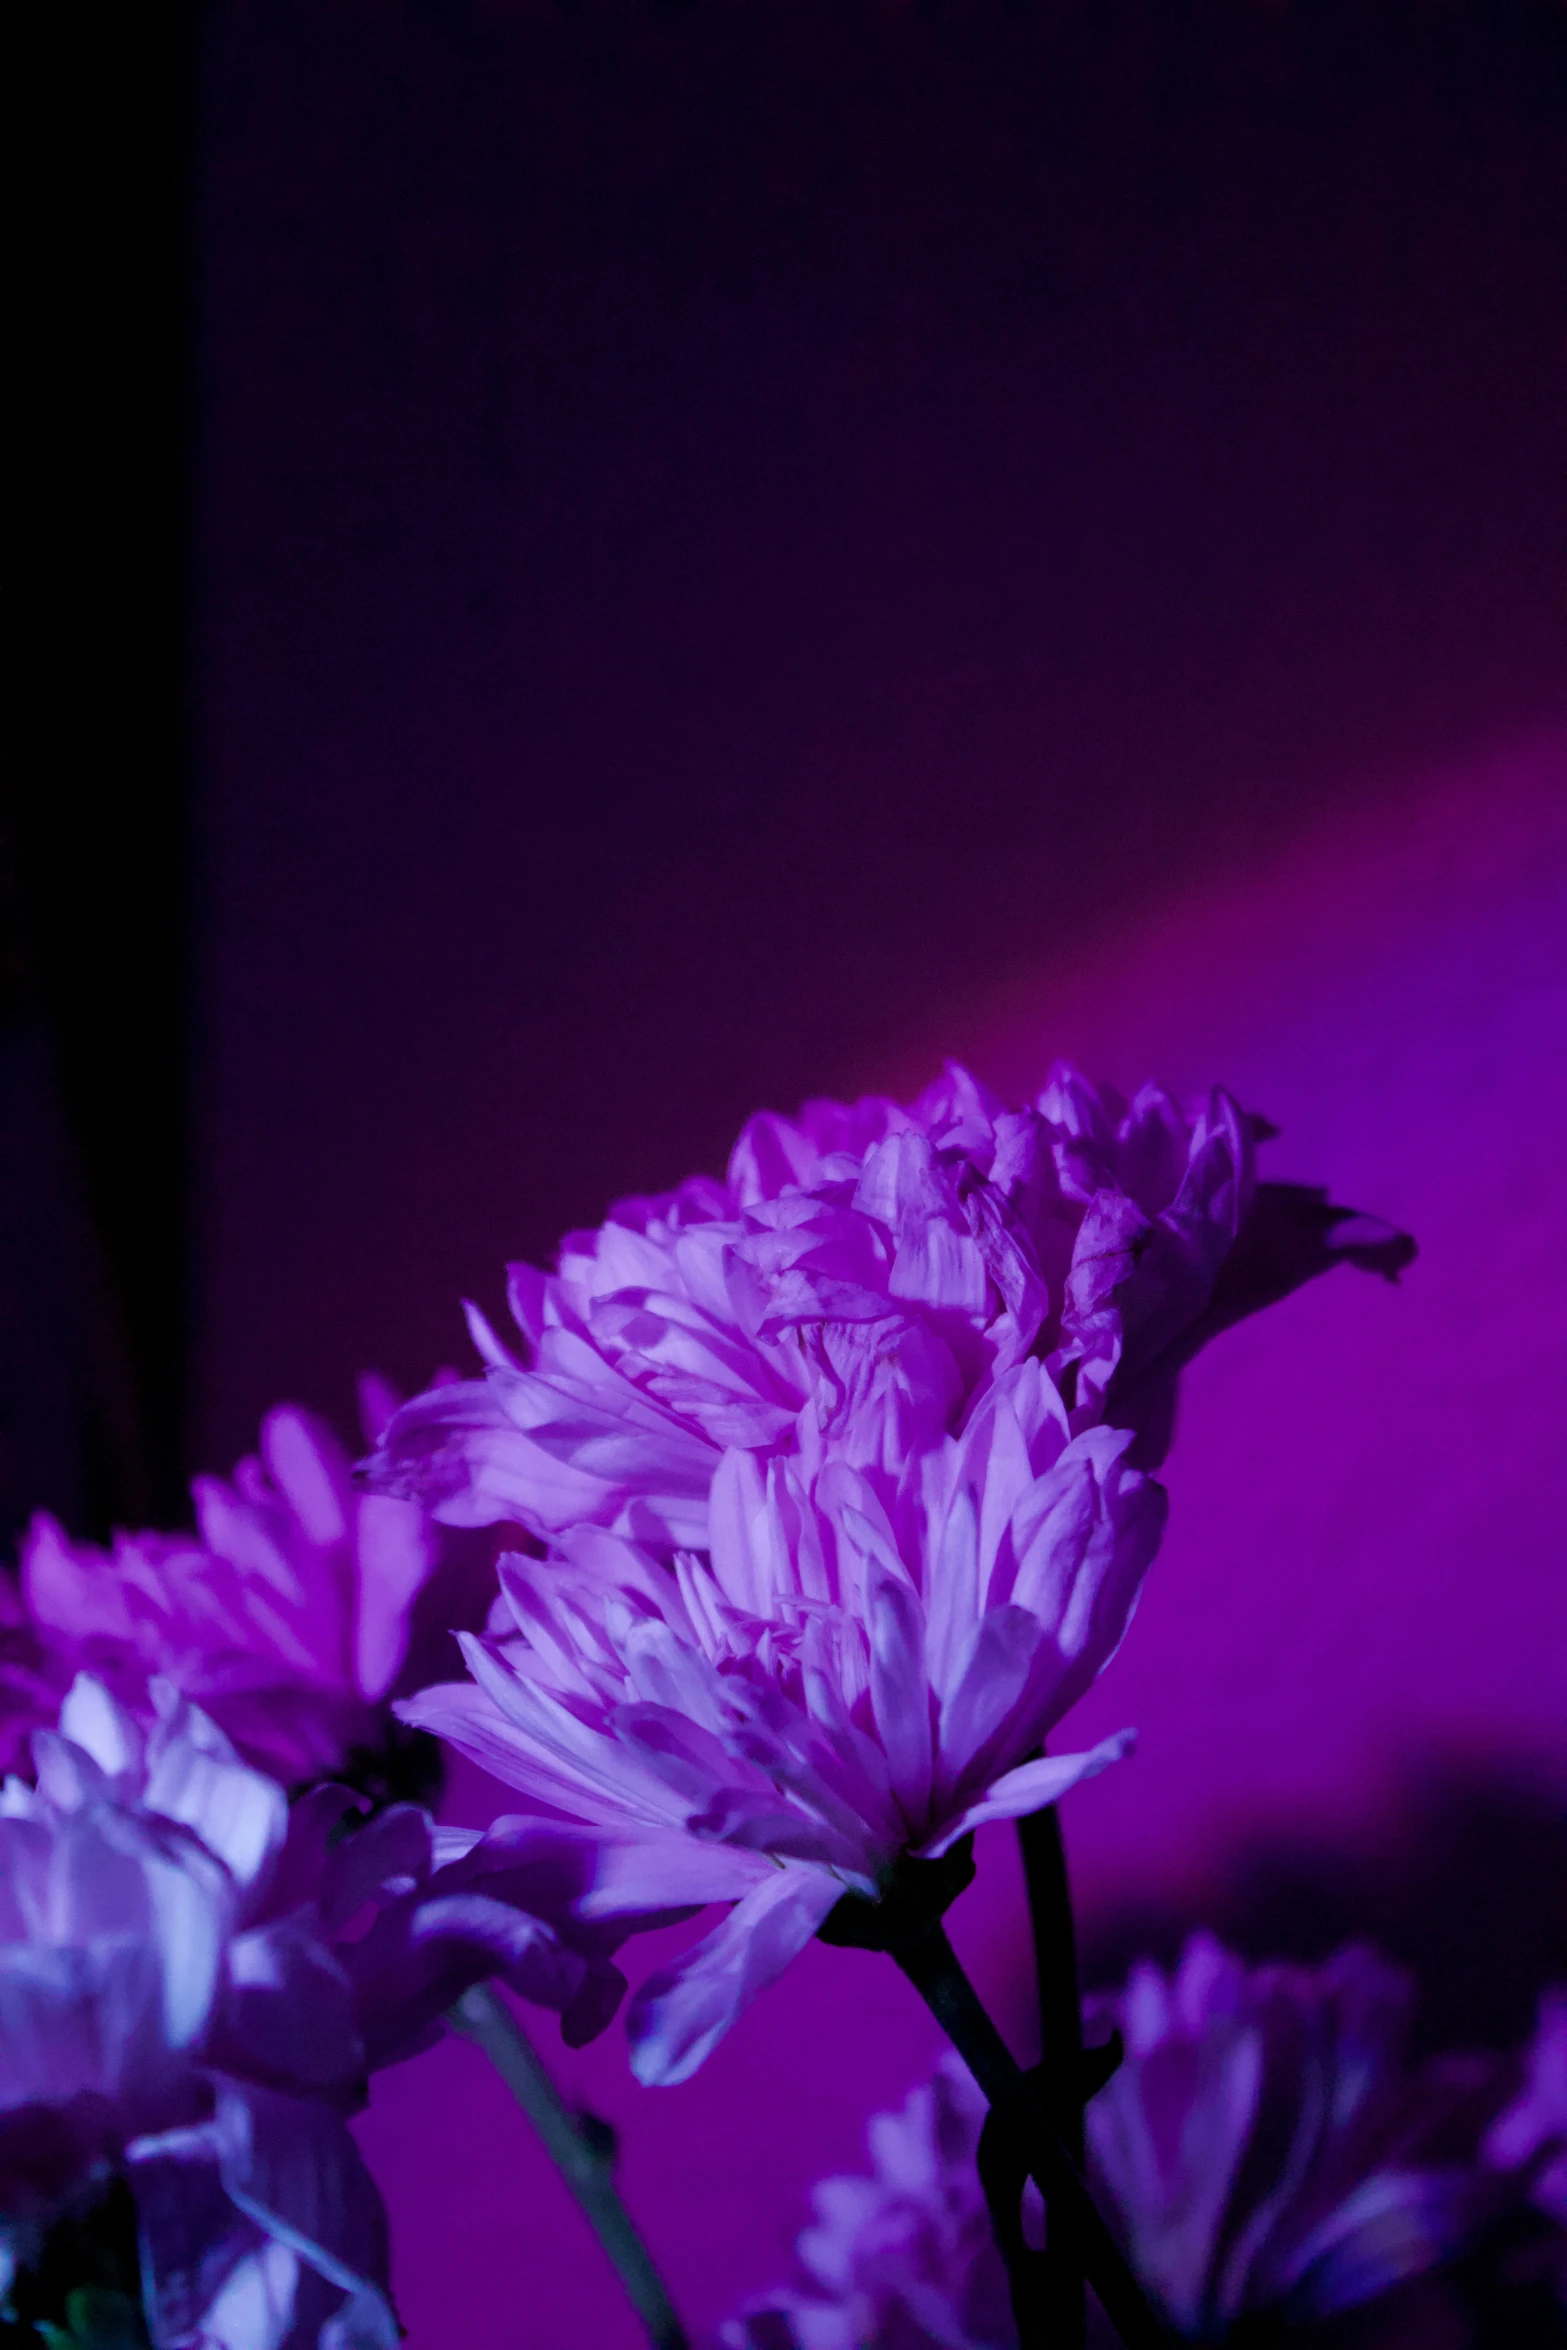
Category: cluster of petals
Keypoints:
(846, 1291)
(291, 1615)
(1265, 2146)
(196, 1981)
(1262, 2149)
(861, 1665)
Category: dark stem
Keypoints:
(931, 1964)
(1062, 2303)
(482, 2016)
(1055, 1964)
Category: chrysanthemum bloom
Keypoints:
(291, 1615)
(191, 1999)
(867, 1256)
(856, 1672)
(1262, 2146)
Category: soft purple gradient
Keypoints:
(719, 533)
(1367, 1560)
(724, 531)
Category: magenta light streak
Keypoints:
(1367, 1557)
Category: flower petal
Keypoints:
(1030, 1788)
(291, 2163)
(680, 2014)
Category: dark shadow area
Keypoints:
(1466, 1885)
(95, 1037)
(727, 531)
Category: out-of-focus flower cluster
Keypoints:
(1263, 2150)
(300, 1606)
(1528, 2142)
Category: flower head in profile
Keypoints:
(860, 1668)
(1262, 2149)
(1264, 2145)
(291, 1615)
(195, 1983)
(856, 1280)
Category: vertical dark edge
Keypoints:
(98, 782)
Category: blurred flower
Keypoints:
(291, 1616)
(901, 2259)
(1529, 2140)
(195, 1983)
(1264, 2145)
(859, 1670)
(1262, 2149)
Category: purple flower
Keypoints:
(1263, 2144)
(1261, 2147)
(902, 2259)
(861, 1667)
(854, 1282)
(1529, 2140)
(195, 1983)
(290, 1616)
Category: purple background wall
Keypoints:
(743, 549)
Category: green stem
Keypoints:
(932, 1966)
(483, 2017)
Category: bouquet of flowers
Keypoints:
(780, 1538)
